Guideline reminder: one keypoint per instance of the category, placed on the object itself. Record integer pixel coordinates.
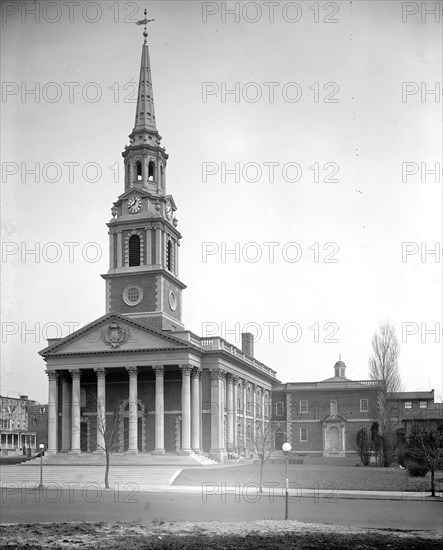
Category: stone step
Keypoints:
(142, 459)
(89, 474)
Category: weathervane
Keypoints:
(144, 22)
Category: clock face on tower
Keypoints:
(134, 205)
(168, 210)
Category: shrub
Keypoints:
(416, 470)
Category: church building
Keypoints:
(138, 374)
(137, 367)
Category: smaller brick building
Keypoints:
(323, 418)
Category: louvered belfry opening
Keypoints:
(170, 257)
(134, 250)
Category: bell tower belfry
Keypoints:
(143, 279)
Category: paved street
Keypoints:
(30, 505)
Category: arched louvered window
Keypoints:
(134, 250)
(138, 167)
(151, 170)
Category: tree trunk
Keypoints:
(432, 483)
(262, 462)
(107, 470)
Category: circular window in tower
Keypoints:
(132, 295)
(172, 300)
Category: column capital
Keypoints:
(100, 373)
(158, 369)
(229, 376)
(75, 373)
(52, 375)
(196, 372)
(132, 371)
(235, 379)
(186, 369)
(218, 373)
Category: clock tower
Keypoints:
(143, 280)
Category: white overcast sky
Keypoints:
(361, 220)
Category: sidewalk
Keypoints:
(250, 491)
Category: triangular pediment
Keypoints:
(112, 332)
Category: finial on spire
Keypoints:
(144, 22)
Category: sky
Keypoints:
(302, 137)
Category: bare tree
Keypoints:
(107, 426)
(261, 444)
(383, 367)
(425, 447)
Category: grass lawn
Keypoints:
(214, 535)
(331, 478)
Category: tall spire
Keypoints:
(145, 113)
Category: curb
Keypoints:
(213, 490)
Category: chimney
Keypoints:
(247, 343)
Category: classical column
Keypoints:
(217, 403)
(263, 411)
(52, 411)
(158, 245)
(230, 411)
(186, 408)
(119, 249)
(245, 410)
(66, 415)
(111, 249)
(148, 251)
(101, 410)
(195, 409)
(254, 411)
(75, 415)
(133, 410)
(159, 411)
(235, 380)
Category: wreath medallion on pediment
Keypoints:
(114, 335)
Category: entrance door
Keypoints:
(84, 437)
(333, 439)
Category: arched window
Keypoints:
(151, 170)
(134, 250)
(170, 256)
(138, 167)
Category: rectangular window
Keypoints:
(395, 405)
(303, 434)
(408, 404)
(303, 406)
(279, 408)
(364, 405)
(423, 404)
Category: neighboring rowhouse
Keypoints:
(23, 424)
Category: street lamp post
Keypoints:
(41, 447)
(287, 449)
